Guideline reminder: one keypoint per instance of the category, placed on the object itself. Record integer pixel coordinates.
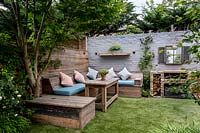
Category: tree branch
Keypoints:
(37, 44)
(48, 61)
(26, 27)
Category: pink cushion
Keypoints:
(66, 80)
(79, 77)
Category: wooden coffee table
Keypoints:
(103, 85)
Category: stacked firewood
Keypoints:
(156, 84)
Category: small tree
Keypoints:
(35, 27)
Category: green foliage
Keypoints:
(162, 16)
(145, 63)
(193, 36)
(14, 124)
(130, 29)
(116, 47)
(178, 128)
(96, 17)
(103, 72)
(182, 89)
(35, 28)
(133, 29)
(12, 110)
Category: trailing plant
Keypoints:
(116, 47)
(145, 63)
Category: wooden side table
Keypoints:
(103, 85)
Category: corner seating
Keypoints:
(51, 85)
(127, 88)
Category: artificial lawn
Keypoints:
(131, 115)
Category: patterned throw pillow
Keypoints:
(111, 74)
(92, 74)
(124, 74)
(79, 77)
(66, 80)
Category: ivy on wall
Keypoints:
(145, 63)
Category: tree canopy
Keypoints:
(164, 16)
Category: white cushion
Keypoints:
(124, 74)
(92, 74)
(111, 74)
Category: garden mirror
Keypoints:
(173, 55)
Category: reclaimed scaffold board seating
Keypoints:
(51, 85)
(127, 88)
(64, 111)
(130, 87)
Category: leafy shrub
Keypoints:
(115, 47)
(11, 104)
(13, 124)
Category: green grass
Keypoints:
(130, 115)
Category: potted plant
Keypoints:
(115, 48)
(103, 73)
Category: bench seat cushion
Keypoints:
(71, 90)
(126, 82)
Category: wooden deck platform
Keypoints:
(64, 111)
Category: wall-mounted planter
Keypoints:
(113, 54)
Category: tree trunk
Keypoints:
(29, 72)
(37, 89)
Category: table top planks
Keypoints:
(62, 101)
(101, 82)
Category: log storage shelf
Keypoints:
(113, 54)
(160, 79)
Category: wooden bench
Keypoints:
(51, 82)
(131, 91)
(64, 111)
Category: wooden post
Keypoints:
(104, 99)
(117, 89)
(87, 91)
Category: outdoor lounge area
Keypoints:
(70, 86)
(99, 66)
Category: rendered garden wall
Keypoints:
(131, 44)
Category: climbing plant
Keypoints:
(145, 63)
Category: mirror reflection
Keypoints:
(173, 55)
